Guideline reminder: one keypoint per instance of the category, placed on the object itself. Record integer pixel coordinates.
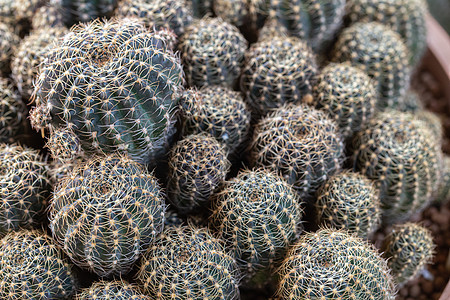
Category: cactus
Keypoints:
(349, 201)
(406, 17)
(75, 11)
(173, 14)
(410, 103)
(106, 213)
(13, 113)
(258, 215)
(278, 71)
(188, 263)
(117, 290)
(8, 43)
(19, 13)
(401, 154)
(117, 88)
(443, 192)
(218, 111)
(48, 16)
(58, 170)
(347, 95)
(25, 187)
(409, 248)
(379, 52)
(33, 268)
(198, 164)
(331, 264)
(237, 12)
(7, 14)
(201, 8)
(433, 122)
(301, 144)
(212, 52)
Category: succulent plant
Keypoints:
(239, 12)
(212, 52)
(347, 95)
(7, 13)
(19, 13)
(13, 113)
(278, 70)
(173, 14)
(198, 164)
(188, 263)
(218, 111)
(410, 103)
(114, 85)
(443, 191)
(258, 215)
(24, 187)
(106, 290)
(406, 17)
(433, 122)
(33, 268)
(349, 201)
(401, 154)
(75, 11)
(379, 52)
(106, 213)
(58, 170)
(201, 8)
(300, 143)
(332, 264)
(8, 43)
(409, 248)
(48, 16)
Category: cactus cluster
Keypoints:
(106, 290)
(75, 11)
(13, 113)
(8, 43)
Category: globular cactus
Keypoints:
(75, 11)
(201, 8)
(241, 12)
(131, 111)
(300, 143)
(198, 164)
(106, 290)
(381, 53)
(48, 16)
(19, 13)
(188, 263)
(347, 94)
(217, 111)
(433, 122)
(64, 145)
(331, 264)
(349, 201)
(33, 268)
(406, 17)
(13, 113)
(443, 191)
(58, 170)
(258, 215)
(401, 154)
(212, 52)
(409, 103)
(409, 248)
(8, 43)
(105, 213)
(7, 14)
(172, 14)
(24, 188)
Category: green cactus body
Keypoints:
(114, 85)
(58, 170)
(401, 154)
(258, 215)
(212, 52)
(24, 188)
(409, 248)
(48, 16)
(8, 43)
(117, 290)
(443, 192)
(300, 143)
(410, 103)
(201, 8)
(379, 52)
(106, 213)
(349, 201)
(86, 10)
(278, 70)
(198, 164)
(406, 17)
(33, 268)
(188, 263)
(330, 264)
(433, 122)
(13, 113)
(347, 95)
(217, 111)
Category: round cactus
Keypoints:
(201, 8)
(188, 263)
(7, 14)
(48, 16)
(380, 52)
(406, 17)
(409, 248)
(8, 44)
(114, 85)
(24, 187)
(433, 122)
(443, 191)
(117, 290)
(212, 52)
(198, 164)
(258, 215)
(347, 95)
(410, 103)
(13, 113)
(349, 201)
(33, 268)
(401, 154)
(237, 12)
(331, 264)
(58, 170)
(218, 111)
(301, 144)
(106, 213)
(75, 11)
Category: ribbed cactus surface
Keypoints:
(13, 113)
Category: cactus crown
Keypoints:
(117, 290)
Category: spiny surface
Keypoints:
(13, 113)
(8, 43)
(112, 290)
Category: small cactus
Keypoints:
(105, 213)
(443, 191)
(75, 11)
(330, 264)
(33, 268)
(13, 113)
(8, 43)
(201, 8)
(410, 103)
(409, 248)
(48, 16)
(108, 290)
